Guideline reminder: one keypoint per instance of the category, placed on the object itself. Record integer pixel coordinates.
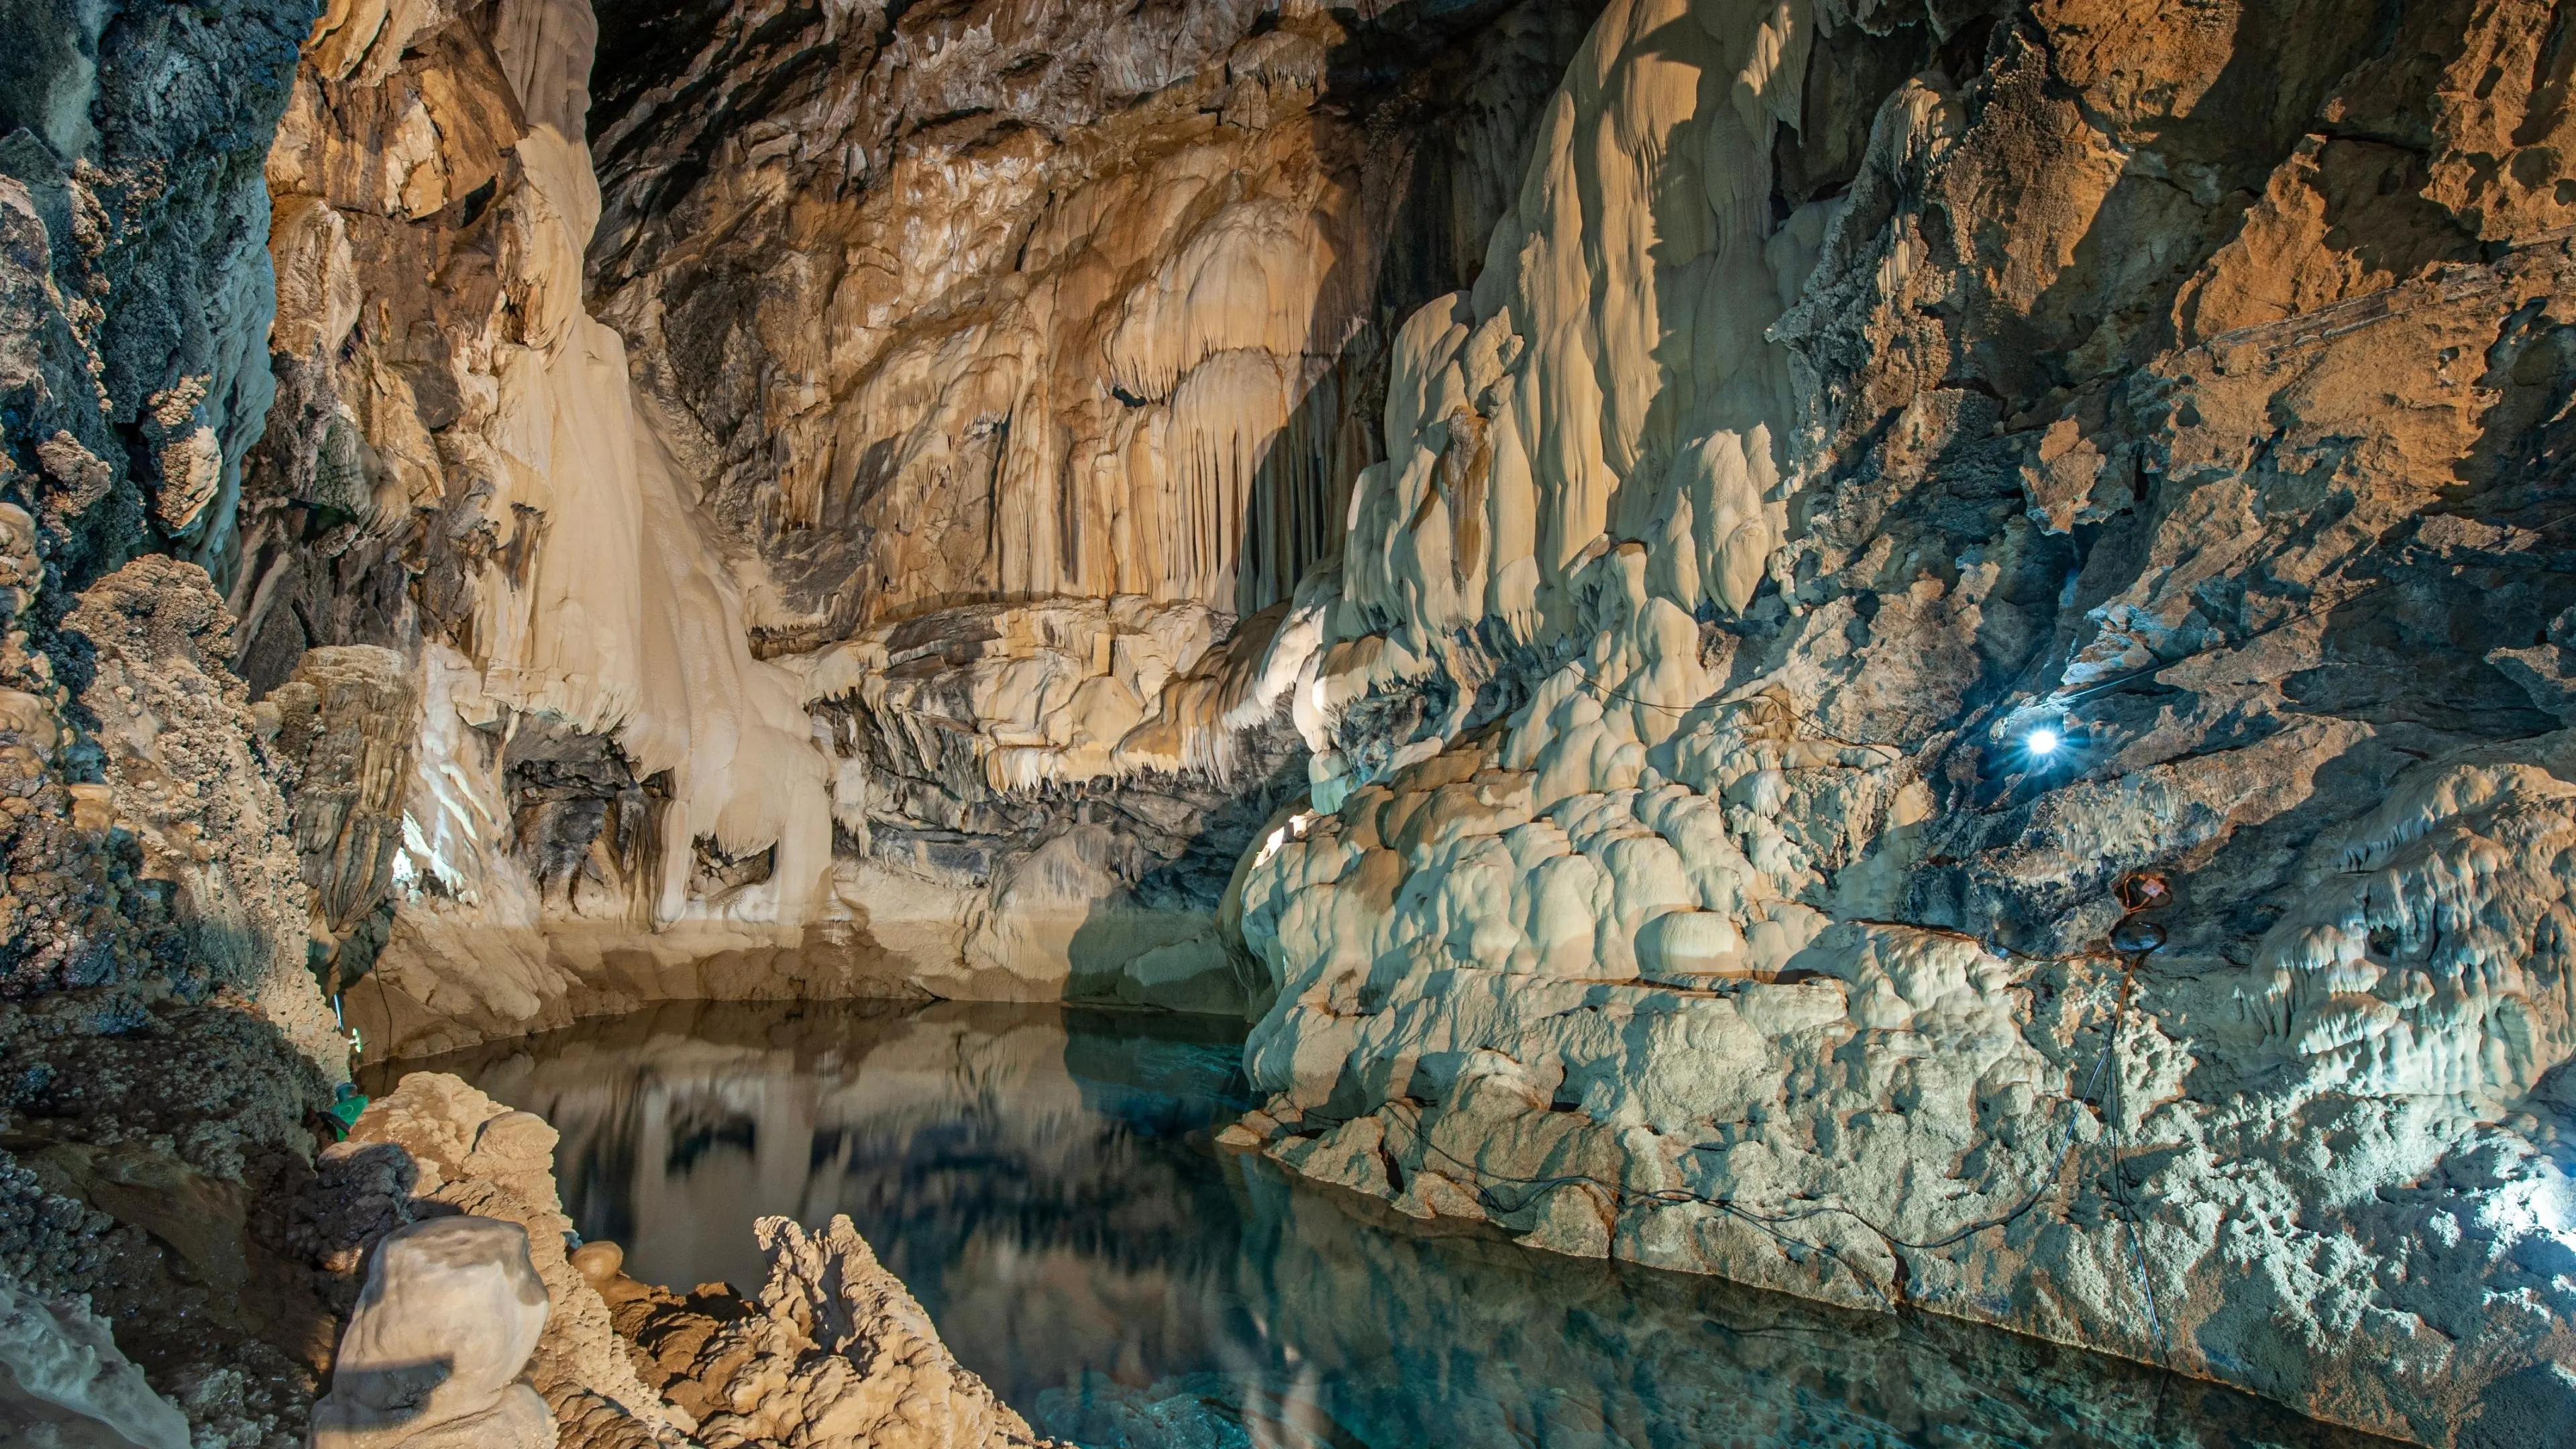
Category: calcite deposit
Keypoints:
(830, 1351)
(436, 1343)
(1098, 342)
(1688, 877)
(1632, 579)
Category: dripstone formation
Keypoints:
(1636, 584)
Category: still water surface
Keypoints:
(1042, 1179)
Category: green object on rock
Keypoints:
(345, 1110)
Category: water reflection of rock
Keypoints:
(1040, 1178)
(1467, 1340)
(1017, 1167)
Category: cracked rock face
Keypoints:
(885, 500)
(996, 299)
(1689, 876)
(843, 577)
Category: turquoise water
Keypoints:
(1043, 1180)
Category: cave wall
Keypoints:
(162, 1042)
(455, 472)
(144, 834)
(983, 302)
(1680, 881)
(906, 497)
(692, 691)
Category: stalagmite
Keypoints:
(1639, 585)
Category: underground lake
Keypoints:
(1045, 1180)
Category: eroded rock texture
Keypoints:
(989, 301)
(830, 1350)
(156, 1152)
(833, 1350)
(1854, 392)
(162, 1039)
(133, 293)
(992, 363)
(447, 1149)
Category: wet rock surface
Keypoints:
(1802, 587)
(884, 501)
(831, 1350)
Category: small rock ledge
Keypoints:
(831, 1350)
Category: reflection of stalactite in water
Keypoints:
(1037, 1177)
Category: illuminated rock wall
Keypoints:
(1681, 881)
(885, 635)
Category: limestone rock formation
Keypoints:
(1855, 394)
(1869, 478)
(131, 384)
(62, 1382)
(454, 471)
(1001, 300)
(1094, 769)
(1184, 232)
(832, 1351)
(469, 1154)
(186, 788)
(346, 723)
(434, 1350)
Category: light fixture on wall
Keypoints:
(2045, 740)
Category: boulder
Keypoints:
(434, 1354)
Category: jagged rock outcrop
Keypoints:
(131, 383)
(833, 1350)
(345, 724)
(131, 299)
(465, 1153)
(186, 791)
(162, 1038)
(1854, 393)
